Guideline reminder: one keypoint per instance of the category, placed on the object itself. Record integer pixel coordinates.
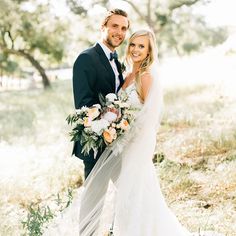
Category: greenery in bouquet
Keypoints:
(98, 126)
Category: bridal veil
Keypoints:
(122, 163)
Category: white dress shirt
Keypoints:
(107, 51)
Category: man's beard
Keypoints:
(109, 42)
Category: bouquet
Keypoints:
(101, 124)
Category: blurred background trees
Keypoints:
(177, 27)
(196, 152)
(32, 34)
(29, 32)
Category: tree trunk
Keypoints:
(34, 62)
(1, 77)
(40, 69)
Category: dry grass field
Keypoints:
(195, 154)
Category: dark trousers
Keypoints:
(88, 166)
(89, 161)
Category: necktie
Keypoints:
(115, 57)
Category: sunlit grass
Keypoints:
(35, 152)
(196, 158)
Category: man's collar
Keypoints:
(106, 50)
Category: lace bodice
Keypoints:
(133, 97)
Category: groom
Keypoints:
(97, 70)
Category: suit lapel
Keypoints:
(107, 64)
(118, 65)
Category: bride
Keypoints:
(138, 206)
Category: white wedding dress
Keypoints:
(140, 208)
(137, 207)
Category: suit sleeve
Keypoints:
(84, 79)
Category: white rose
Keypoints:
(98, 106)
(84, 108)
(124, 105)
(109, 116)
(81, 110)
(111, 97)
(98, 126)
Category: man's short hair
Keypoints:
(114, 12)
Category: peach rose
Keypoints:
(93, 113)
(109, 135)
(124, 125)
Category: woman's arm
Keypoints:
(146, 82)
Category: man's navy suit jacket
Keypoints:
(92, 75)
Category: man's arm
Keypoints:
(84, 78)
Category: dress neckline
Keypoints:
(128, 86)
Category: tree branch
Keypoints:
(9, 35)
(178, 4)
(32, 60)
(136, 9)
(149, 12)
(2, 37)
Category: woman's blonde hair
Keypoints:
(148, 61)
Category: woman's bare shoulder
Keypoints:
(146, 76)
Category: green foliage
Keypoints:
(231, 157)
(64, 204)
(36, 218)
(189, 47)
(174, 36)
(178, 29)
(158, 157)
(37, 35)
(76, 8)
(7, 64)
(102, 99)
(87, 138)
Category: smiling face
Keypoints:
(139, 49)
(113, 33)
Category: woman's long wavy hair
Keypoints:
(147, 62)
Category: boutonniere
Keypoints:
(123, 67)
